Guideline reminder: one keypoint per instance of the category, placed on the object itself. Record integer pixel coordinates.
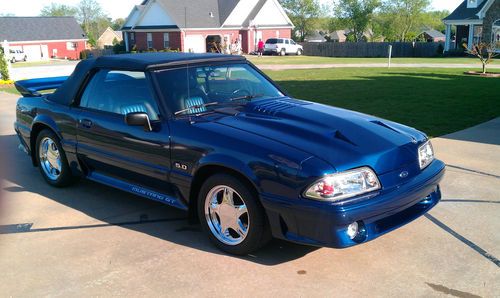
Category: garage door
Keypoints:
(195, 44)
(34, 53)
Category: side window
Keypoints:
(287, 41)
(280, 40)
(119, 92)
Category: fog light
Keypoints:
(352, 230)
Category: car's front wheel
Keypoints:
(52, 160)
(231, 215)
(299, 52)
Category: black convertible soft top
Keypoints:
(67, 92)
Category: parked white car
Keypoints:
(17, 55)
(282, 46)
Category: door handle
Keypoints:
(86, 123)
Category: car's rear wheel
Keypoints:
(13, 60)
(282, 52)
(52, 160)
(231, 215)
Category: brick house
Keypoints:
(41, 38)
(193, 26)
(474, 21)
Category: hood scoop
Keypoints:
(273, 107)
(385, 125)
(338, 135)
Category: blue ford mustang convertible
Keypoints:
(213, 135)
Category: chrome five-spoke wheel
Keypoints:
(50, 158)
(227, 215)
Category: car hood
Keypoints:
(343, 138)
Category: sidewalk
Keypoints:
(367, 65)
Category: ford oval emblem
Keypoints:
(403, 174)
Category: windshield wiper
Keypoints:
(195, 107)
(246, 97)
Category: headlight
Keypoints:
(343, 185)
(425, 154)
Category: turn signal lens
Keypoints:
(344, 185)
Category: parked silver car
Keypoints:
(282, 46)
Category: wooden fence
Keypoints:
(373, 49)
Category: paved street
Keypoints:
(92, 240)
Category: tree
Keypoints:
(57, 10)
(434, 19)
(89, 14)
(405, 16)
(484, 51)
(356, 15)
(303, 14)
(118, 24)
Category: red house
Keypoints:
(43, 37)
(195, 25)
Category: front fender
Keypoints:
(231, 163)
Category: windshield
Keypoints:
(194, 90)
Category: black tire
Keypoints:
(258, 234)
(282, 52)
(299, 52)
(65, 177)
(13, 60)
(25, 58)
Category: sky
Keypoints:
(121, 8)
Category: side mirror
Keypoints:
(139, 119)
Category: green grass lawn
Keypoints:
(436, 101)
(9, 89)
(336, 60)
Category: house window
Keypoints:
(166, 40)
(71, 46)
(150, 40)
(495, 32)
(132, 36)
(478, 33)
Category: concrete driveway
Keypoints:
(91, 240)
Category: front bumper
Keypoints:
(325, 223)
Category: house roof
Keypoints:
(202, 14)
(315, 35)
(40, 28)
(198, 14)
(433, 33)
(464, 13)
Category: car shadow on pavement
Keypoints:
(111, 207)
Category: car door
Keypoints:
(109, 147)
(287, 46)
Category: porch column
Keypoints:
(470, 40)
(447, 43)
(125, 38)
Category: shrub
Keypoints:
(118, 47)
(4, 69)
(85, 54)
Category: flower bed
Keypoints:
(478, 73)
